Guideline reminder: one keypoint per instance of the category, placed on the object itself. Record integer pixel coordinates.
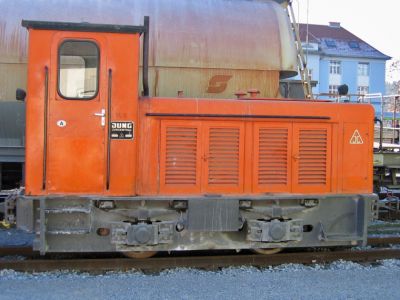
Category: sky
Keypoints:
(375, 22)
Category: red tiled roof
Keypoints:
(316, 32)
(322, 33)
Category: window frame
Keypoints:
(335, 65)
(354, 44)
(363, 66)
(59, 73)
(363, 87)
(330, 43)
(333, 89)
(310, 73)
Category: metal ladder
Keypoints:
(301, 61)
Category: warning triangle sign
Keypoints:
(356, 138)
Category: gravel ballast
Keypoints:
(340, 280)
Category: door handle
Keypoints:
(102, 114)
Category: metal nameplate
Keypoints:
(122, 130)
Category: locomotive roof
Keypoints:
(83, 26)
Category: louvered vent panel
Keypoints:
(313, 156)
(223, 160)
(181, 155)
(273, 153)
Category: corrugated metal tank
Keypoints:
(208, 48)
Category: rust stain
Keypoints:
(240, 36)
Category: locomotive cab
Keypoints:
(83, 99)
(107, 170)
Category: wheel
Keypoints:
(139, 254)
(266, 251)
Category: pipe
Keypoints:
(146, 56)
(394, 120)
(380, 132)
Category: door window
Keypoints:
(78, 70)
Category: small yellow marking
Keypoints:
(356, 138)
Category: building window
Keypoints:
(333, 89)
(330, 43)
(78, 67)
(310, 73)
(362, 90)
(334, 67)
(354, 45)
(363, 69)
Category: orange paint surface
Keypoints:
(76, 154)
(265, 146)
(184, 146)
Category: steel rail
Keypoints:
(157, 264)
(382, 241)
(24, 251)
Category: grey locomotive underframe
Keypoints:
(107, 224)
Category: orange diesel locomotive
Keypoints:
(109, 170)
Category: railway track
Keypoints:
(35, 263)
(28, 252)
(202, 262)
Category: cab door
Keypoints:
(76, 115)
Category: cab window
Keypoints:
(78, 67)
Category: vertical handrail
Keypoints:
(46, 105)
(109, 100)
(394, 117)
(380, 133)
